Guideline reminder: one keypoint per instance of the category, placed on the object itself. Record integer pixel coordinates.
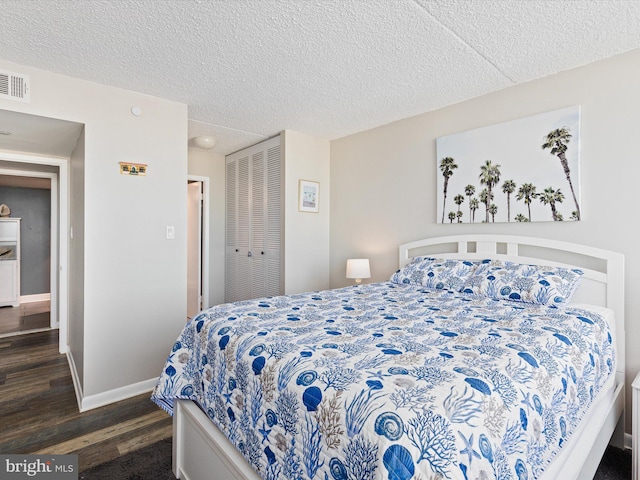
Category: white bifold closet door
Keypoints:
(254, 222)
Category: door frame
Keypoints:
(204, 244)
(59, 226)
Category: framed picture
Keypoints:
(524, 170)
(308, 196)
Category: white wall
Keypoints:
(383, 181)
(134, 286)
(212, 165)
(306, 235)
(75, 322)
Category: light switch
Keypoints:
(171, 232)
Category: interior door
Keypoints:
(194, 248)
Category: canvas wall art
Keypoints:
(525, 170)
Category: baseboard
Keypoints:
(122, 393)
(38, 297)
(105, 398)
(77, 386)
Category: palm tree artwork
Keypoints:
(469, 190)
(486, 197)
(557, 142)
(447, 166)
(474, 204)
(489, 176)
(510, 170)
(493, 209)
(508, 187)
(550, 197)
(526, 193)
(458, 200)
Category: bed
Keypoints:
(470, 362)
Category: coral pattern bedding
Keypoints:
(392, 380)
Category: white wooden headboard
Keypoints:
(602, 283)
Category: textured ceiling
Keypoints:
(251, 68)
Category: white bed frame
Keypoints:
(201, 451)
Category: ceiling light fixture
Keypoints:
(205, 142)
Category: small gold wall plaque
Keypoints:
(127, 168)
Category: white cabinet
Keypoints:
(254, 219)
(9, 261)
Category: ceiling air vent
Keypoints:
(14, 86)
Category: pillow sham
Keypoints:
(434, 273)
(535, 284)
(447, 274)
(413, 272)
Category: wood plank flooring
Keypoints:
(27, 316)
(39, 411)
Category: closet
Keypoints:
(254, 219)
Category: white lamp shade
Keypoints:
(358, 268)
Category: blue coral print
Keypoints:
(523, 283)
(393, 380)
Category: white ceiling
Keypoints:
(251, 68)
(38, 135)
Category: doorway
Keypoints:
(197, 244)
(56, 171)
(43, 310)
(29, 196)
(42, 144)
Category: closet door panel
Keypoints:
(272, 282)
(258, 283)
(254, 222)
(231, 212)
(243, 275)
(258, 203)
(273, 224)
(258, 216)
(243, 213)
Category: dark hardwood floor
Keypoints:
(39, 412)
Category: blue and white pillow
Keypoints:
(435, 274)
(523, 283)
(448, 274)
(413, 272)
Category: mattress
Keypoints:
(390, 381)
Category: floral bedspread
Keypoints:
(391, 381)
